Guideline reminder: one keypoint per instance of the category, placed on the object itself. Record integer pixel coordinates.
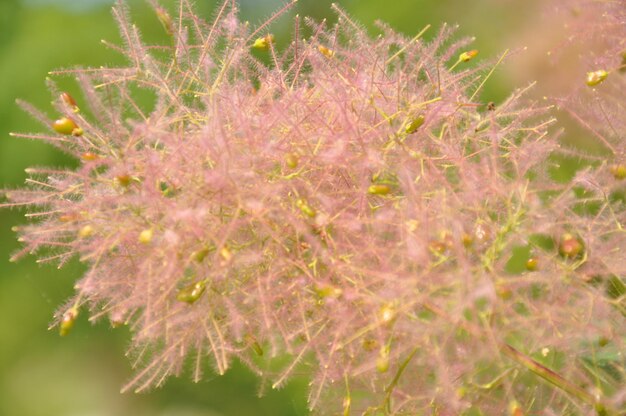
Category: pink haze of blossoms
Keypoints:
(352, 211)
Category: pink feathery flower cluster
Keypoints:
(351, 210)
(595, 36)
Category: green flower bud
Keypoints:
(329, 53)
(306, 208)
(596, 77)
(67, 126)
(67, 321)
(264, 42)
(468, 55)
(532, 264)
(292, 160)
(618, 171)
(191, 293)
(415, 124)
(378, 189)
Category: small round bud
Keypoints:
(264, 42)
(69, 100)
(570, 246)
(378, 189)
(306, 208)
(438, 247)
(387, 313)
(123, 180)
(596, 77)
(67, 321)
(199, 255)
(86, 231)
(67, 126)
(415, 124)
(603, 341)
(329, 53)
(292, 160)
(618, 171)
(532, 264)
(226, 254)
(328, 291)
(69, 217)
(468, 55)
(503, 291)
(191, 293)
(515, 409)
(369, 344)
(89, 156)
(145, 237)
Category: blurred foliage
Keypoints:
(43, 374)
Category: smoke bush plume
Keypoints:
(351, 210)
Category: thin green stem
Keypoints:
(396, 378)
(556, 379)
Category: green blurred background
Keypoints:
(81, 374)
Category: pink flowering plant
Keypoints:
(351, 211)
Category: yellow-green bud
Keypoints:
(305, 208)
(191, 293)
(618, 171)
(292, 160)
(226, 254)
(67, 321)
(123, 180)
(86, 231)
(415, 124)
(388, 313)
(200, 255)
(468, 55)
(328, 292)
(596, 77)
(378, 189)
(264, 42)
(329, 53)
(532, 264)
(67, 126)
(145, 237)
(89, 156)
